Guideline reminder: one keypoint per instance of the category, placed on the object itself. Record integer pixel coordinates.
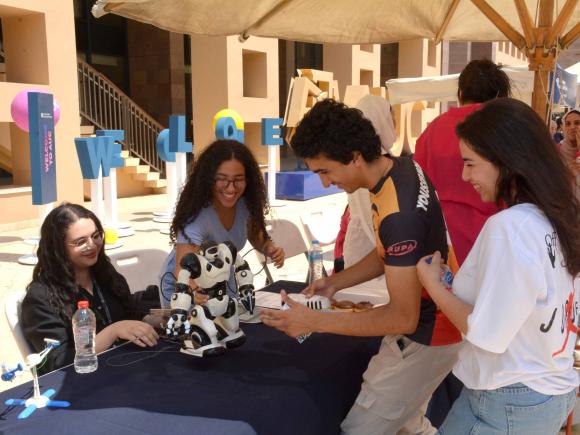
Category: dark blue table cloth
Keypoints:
(270, 385)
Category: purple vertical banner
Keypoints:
(42, 149)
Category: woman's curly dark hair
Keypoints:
(335, 131)
(510, 135)
(54, 268)
(197, 193)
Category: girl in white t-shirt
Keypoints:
(515, 297)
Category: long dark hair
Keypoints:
(54, 268)
(198, 190)
(511, 136)
(482, 80)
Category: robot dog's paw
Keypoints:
(236, 342)
(199, 344)
(231, 340)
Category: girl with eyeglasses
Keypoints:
(223, 199)
(72, 266)
(515, 298)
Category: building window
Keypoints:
(431, 54)
(254, 74)
(23, 45)
(389, 62)
(308, 55)
(366, 77)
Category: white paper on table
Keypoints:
(268, 300)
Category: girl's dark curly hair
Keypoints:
(54, 268)
(511, 136)
(335, 131)
(198, 190)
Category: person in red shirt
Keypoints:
(437, 152)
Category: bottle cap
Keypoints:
(83, 304)
(315, 242)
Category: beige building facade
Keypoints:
(39, 51)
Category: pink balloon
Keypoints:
(19, 108)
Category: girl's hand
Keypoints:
(429, 271)
(140, 333)
(199, 297)
(275, 253)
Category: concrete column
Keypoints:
(353, 64)
(227, 73)
(417, 58)
(38, 39)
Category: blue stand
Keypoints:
(301, 186)
(37, 400)
(33, 403)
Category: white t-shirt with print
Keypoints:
(522, 328)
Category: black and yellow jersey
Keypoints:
(408, 225)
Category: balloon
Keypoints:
(111, 236)
(19, 108)
(228, 113)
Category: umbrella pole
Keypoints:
(542, 58)
(541, 65)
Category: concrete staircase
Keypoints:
(141, 173)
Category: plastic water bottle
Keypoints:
(315, 262)
(445, 275)
(84, 330)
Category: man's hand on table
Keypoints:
(293, 322)
(321, 287)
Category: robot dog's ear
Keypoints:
(232, 248)
(190, 262)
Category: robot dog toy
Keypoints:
(211, 328)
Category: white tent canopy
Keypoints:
(539, 28)
(444, 88)
(335, 21)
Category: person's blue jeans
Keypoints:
(511, 410)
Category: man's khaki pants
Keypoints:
(397, 386)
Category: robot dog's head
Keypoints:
(221, 254)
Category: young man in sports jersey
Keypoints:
(420, 345)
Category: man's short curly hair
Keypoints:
(335, 131)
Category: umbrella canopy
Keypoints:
(539, 28)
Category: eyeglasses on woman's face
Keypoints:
(83, 243)
(224, 182)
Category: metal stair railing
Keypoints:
(108, 108)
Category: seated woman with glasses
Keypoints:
(72, 266)
(223, 199)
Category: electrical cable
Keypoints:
(161, 283)
(150, 354)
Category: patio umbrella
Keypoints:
(539, 28)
